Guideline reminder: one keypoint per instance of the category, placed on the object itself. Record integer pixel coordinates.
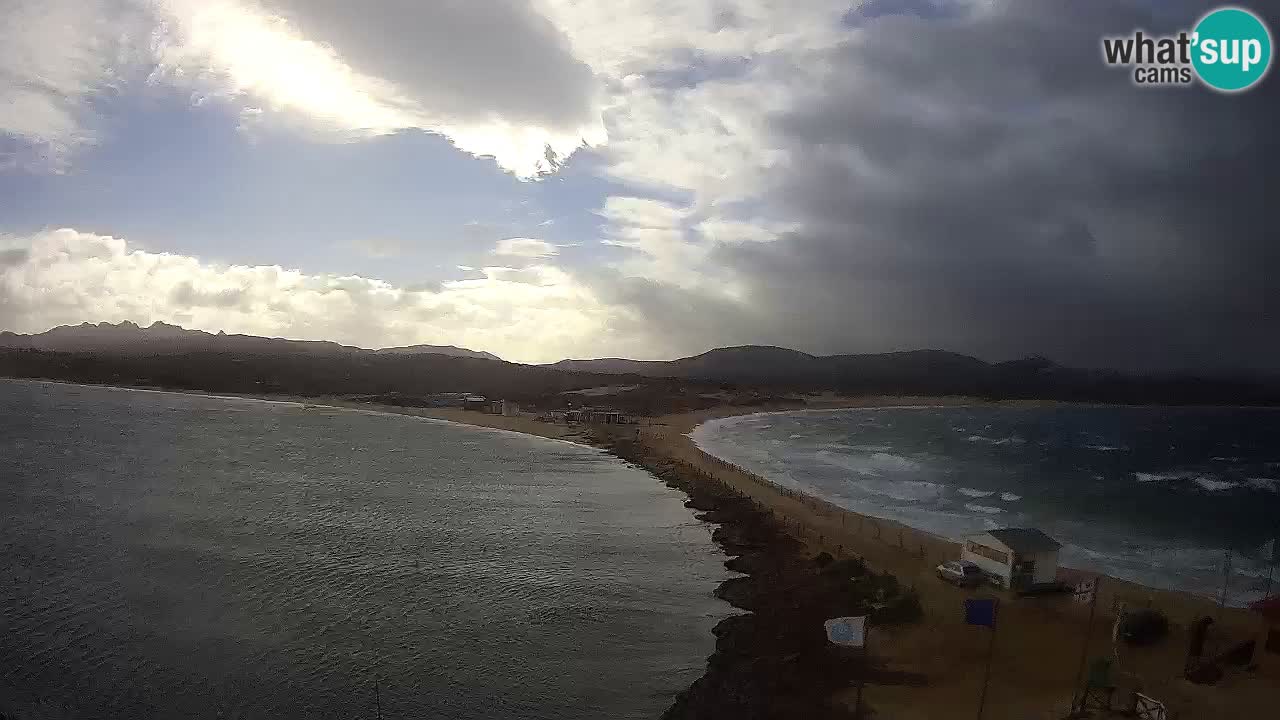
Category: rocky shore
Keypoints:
(774, 661)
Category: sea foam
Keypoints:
(1215, 485)
(1263, 483)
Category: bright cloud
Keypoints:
(534, 314)
(54, 56)
(492, 76)
(525, 248)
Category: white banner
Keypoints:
(847, 631)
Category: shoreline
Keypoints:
(926, 669)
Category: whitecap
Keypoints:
(985, 509)
(796, 436)
(1144, 477)
(1263, 483)
(907, 490)
(1011, 440)
(873, 464)
(1215, 485)
(1010, 497)
(1102, 448)
(970, 492)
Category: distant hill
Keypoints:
(162, 338)
(934, 372)
(169, 356)
(449, 350)
(765, 363)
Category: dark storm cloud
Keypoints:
(983, 183)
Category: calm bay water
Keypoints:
(165, 555)
(1155, 495)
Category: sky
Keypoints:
(544, 179)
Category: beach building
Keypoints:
(506, 408)
(475, 402)
(1018, 559)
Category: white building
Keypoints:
(506, 408)
(1015, 558)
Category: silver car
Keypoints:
(961, 572)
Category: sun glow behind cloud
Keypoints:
(241, 51)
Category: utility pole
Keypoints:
(1084, 650)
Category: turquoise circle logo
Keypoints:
(1232, 49)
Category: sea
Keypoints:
(166, 555)
(1175, 498)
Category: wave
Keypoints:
(1216, 485)
(985, 509)
(1010, 497)
(1264, 483)
(970, 492)
(905, 490)
(1102, 448)
(1210, 483)
(1011, 440)
(873, 464)
(1144, 477)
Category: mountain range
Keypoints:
(162, 338)
(168, 355)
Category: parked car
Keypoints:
(961, 572)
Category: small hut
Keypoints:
(1018, 559)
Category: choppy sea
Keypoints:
(1160, 496)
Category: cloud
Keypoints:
(494, 76)
(533, 314)
(959, 175)
(900, 173)
(55, 56)
(525, 248)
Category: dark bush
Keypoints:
(823, 559)
(1144, 627)
(847, 568)
(903, 608)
